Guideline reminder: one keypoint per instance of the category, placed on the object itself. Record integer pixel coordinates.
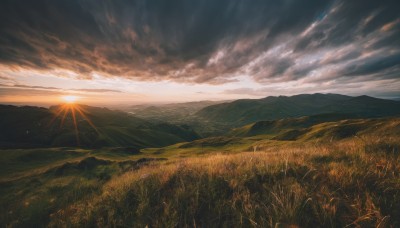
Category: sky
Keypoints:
(158, 51)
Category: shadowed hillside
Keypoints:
(81, 125)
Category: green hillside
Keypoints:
(276, 126)
(286, 131)
(344, 129)
(92, 127)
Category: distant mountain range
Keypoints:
(95, 127)
(246, 111)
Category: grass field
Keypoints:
(214, 182)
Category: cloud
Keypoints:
(375, 64)
(204, 41)
(33, 87)
(247, 91)
(5, 78)
(354, 87)
(98, 90)
(7, 92)
(59, 90)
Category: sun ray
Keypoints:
(59, 111)
(75, 124)
(64, 116)
(75, 111)
(86, 118)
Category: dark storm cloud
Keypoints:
(374, 64)
(204, 41)
(350, 21)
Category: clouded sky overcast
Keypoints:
(131, 51)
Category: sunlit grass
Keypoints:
(339, 184)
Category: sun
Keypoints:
(70, 99)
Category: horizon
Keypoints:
(128, 53)
(122, 106)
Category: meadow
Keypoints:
(353, 182)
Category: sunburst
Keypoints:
(74, 110)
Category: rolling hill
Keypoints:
(276, 126)
(265, 135)
(95, 127)
(246, 111)
(344, 129)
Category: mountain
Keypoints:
(246, 111)
(86, 126)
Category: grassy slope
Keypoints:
(34, 183)
(39, 127)
(281, 125)
(312, 185)
(312, 181)
(344, 129)
(290, 131)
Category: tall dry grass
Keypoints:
(349, 183)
